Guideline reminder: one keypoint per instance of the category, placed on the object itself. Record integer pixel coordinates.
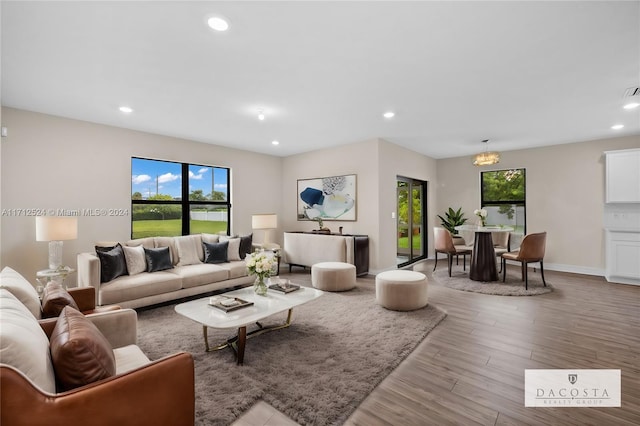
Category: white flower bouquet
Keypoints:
(482, 214)
(261, 265)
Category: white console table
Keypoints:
(307, 248)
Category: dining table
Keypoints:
(483, 257)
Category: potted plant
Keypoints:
(453, 218)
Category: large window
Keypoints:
(504, 198)
(169, 198)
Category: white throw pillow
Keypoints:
(23, 343)
(136, 261)
(233, 251)
(210, 238)
(21, 289)
(189, 250)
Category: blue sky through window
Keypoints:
(149, 177)
(200, 177)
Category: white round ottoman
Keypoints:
(333, 276)
(401, 290)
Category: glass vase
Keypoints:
(259, 286)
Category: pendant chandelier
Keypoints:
(487, 157)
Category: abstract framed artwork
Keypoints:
(328, 198)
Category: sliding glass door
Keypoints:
(411, 220)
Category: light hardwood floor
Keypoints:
(470, 369)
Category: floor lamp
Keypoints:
(267, 222)
(56, 229)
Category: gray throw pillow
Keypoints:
(158, 259)
(215, 252)
(246, 243)
(112, 262)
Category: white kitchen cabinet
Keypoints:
(623, 176)
(623, 257)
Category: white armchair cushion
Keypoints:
(23, 343)
(22, 289)
(129, 358)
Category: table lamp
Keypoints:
(267, 222)
(56, 229)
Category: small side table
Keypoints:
(277, 255)
(47, 275)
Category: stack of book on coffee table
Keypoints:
(228, 304)
(283, 286)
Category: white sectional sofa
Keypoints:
(189, 275)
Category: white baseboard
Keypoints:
(622, 280)
(584, 270)
(573, 269)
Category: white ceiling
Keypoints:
(522, 74)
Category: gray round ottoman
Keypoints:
(401, 290)
(333, 276)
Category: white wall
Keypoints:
(360, 159)
(55, 163)
(52, 162)
(565, 197)
(377, 163)
(397, 161)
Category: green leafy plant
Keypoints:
(454, 218)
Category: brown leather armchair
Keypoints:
(141, 392)
(443, 243)
(85, 298)
(531, 250)
(160, 393)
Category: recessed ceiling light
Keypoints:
(275, 143)
(617, 126)
(389, 114)
(260, 115)
(632, 104)
(217, 23)
(126, 109)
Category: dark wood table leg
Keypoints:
(483, 259)
(242, 341)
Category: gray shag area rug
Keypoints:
(513, 286)
(337, 350)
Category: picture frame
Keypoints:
(328, 198)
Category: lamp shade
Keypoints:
(264, 221)
(56, 228)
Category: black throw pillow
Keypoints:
(215, 252)
(112, 262)
(245, 245)
(158, 259)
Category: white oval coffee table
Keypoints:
(263, 306)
